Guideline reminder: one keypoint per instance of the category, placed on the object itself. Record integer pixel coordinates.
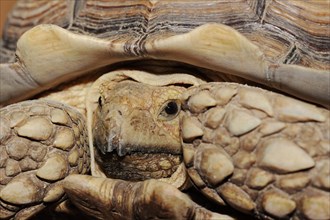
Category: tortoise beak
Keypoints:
(107, 132)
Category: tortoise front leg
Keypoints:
(260, 152)
(41, 142)
(117, 199)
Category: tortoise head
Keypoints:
(135, 129)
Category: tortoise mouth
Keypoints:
(138, 165)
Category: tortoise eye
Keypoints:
(170, 110)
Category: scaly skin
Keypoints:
(41, 142)
(117, 199)
(260, 152)
(47, 145)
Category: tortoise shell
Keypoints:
(274, 44)
(294, 32)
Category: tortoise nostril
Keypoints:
(100, 101)
(120, 113)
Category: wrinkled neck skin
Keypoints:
(136, 132)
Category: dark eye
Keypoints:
(170, 110)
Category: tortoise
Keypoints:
(272, 150)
